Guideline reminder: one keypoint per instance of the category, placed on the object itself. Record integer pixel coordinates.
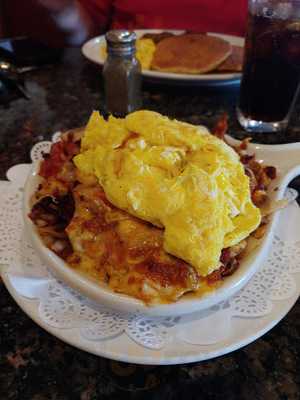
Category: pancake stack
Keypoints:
(195, 53)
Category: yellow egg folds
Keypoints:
(176, 176)
(145, 49)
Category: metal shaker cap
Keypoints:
(120, 41)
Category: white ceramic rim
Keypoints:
(67, 335)
(105, 296)
(91, 51)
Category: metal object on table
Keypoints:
(9, 74)
(122, 73)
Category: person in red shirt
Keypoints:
(77, 20)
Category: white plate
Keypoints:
(284, 157)
(122, 348)
(243, 331)
(92, 51)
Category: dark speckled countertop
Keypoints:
(35, 365)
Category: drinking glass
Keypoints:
(271, 71)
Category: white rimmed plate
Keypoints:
(284, 157)
(92, 51)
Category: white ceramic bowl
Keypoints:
(286, 158)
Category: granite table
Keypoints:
(37, 366)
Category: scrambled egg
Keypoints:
(176, 176)
(145, 49)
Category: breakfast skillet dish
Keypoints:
(154, 208)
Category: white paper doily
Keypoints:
(135, 338)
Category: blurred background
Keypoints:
(24, 18)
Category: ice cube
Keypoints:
(268, 12)
(283, 10)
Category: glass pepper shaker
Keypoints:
(121, 73)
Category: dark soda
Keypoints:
(271, 72)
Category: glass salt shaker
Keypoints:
(121, 73)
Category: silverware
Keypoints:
(9, 72)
